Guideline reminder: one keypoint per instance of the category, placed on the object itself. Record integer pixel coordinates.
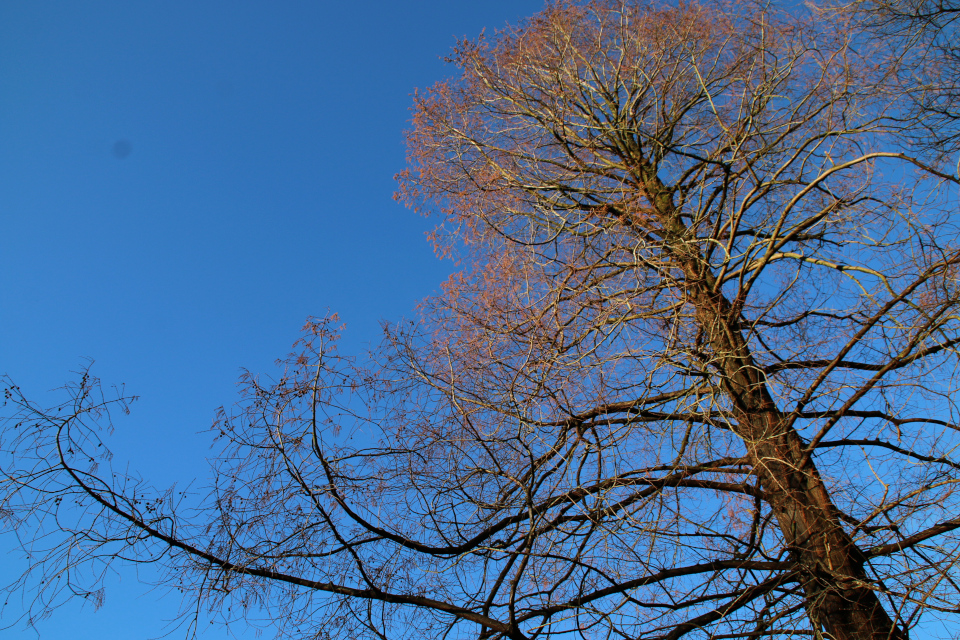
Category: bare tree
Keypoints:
(694, 379)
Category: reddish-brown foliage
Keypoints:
(694, 379)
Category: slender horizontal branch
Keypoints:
(917, 538)
(660, 576)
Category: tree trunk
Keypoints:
(840, 598)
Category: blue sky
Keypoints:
(181, 185)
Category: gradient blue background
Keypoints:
(263, 139)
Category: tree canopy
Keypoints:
(694, 377)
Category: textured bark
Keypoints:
(838, 592)
(840, 596)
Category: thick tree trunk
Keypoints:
(840, 597)
(839, 594)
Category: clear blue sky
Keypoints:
(181, 185)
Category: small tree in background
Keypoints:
(694, 379)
